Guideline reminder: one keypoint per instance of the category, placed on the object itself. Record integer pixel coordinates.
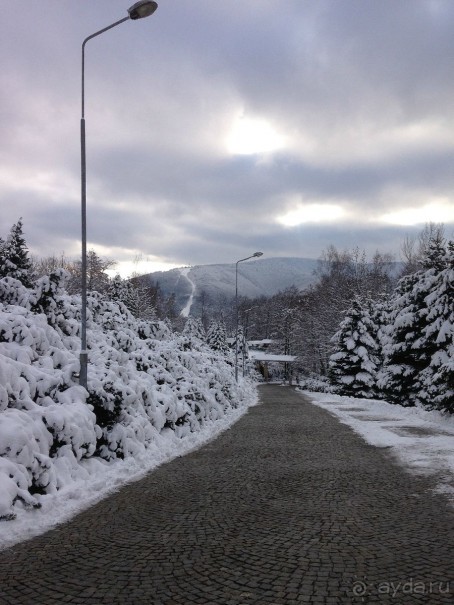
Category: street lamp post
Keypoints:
(139, 10)
(255, 255)
(245, 332)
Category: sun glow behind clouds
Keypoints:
(312, 213)
(436, 212)
(250, 136)
(140, 265)
(128, 269)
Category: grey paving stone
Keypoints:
(287, 507)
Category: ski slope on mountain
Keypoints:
(263, 277)
(187, 308)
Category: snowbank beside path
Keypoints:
(104, 478)
(151, 395)
(421, 440)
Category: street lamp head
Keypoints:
(142, 9)
(257, 254)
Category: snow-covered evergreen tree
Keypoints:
(353, 365)
(139, 302)
(412, 352)
(14, 258)
(216, 337)
(194, 328)
(379, 313)
(435, 255)
(436, 382)
(402, 363)
(117, 289)
(135, 297)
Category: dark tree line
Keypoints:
(402, 348)
(302, 323)
(141, 296)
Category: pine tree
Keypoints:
(216, 337)
(379, 313)
(436, 381)
(117, 289)
(353, 365)
(409, 354)
(138, 301)
(194, 328)
(430, 315)
(14, 257)
(435, 254)
(135, 296)
(401, 362)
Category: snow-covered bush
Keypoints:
(142, 380)
(316, 384)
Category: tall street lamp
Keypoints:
(139, 10)
(255, 255)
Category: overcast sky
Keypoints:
(215, 129)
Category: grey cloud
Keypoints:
(160, 95)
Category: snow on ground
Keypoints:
(421, 440)
(106, 478)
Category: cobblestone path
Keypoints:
(287, 507)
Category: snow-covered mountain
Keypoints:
(255, 278)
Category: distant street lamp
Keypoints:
(255, 255)
(139, 10)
